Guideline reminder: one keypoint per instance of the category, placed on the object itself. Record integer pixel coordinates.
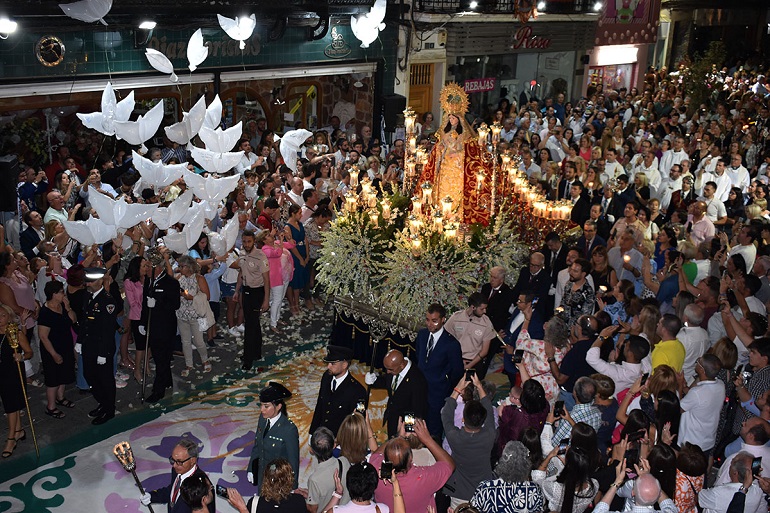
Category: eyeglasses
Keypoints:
(178, 462)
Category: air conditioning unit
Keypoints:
(437, 40)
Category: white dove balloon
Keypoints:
(180, 242)
(88, 10)
(215, 162)
(136, 132)
(290, 144)
(196, 50)
(185, 130)
(239, 28)
(219, 140)
(165, 217)
(161, 63)
(157, 174)
(367, 27)
(213, 114)
(194, 209)
(220, 243)
(90, 232)
(118, 213)
(211, 189)
(112, 111)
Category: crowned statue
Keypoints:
(457, 166)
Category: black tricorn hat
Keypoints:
(337, 354)
(274, 392)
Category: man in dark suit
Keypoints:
(440, 359)
(625, 194)
(499, 296)
(406, 386)
(339, 391)
(555, 254)
(590, 239)
(533, 278)
(276, 436)
(581, 207)
(162, 295)
(602, 224)
(563, 191)
(184, 466)
(31, 239)
(612, 206)
(526, 312)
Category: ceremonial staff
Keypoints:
(12, 331)
(155, 258)
(125, 455)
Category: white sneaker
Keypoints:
(234, 331)
(241, 328)
(120, 384)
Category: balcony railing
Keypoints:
(502, 6)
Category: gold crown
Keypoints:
(454, 100)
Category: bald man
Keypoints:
(646, 492)
(406, 386)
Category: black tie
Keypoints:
(267, 428)
(334, 385)
(430, 346)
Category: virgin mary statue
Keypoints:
(456, 166)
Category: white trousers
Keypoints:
(276, 299)
(191, 334)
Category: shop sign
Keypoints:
(217, 48)
(479, 85)
(524, 39)
(338, 48)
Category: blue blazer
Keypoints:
(443, 368)
(536, 331)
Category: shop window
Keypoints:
(303, 105)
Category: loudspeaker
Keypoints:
(585, 59)
(9, 177)
(393, 106)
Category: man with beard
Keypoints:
(161, 301)
(339, 391)
(473, 329)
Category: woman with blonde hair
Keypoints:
(276, 495)
(373, 168)
(355, 437)
(65, 246)
(644, 396)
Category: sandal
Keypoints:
(65, 402)
(22, 437)
(55, 413)
(207, 367)
(7, 454)
(186, 372)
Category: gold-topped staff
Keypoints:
(125, 455)
(12, 332)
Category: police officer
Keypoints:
(276, 436)
(97, 342)
(339, 391)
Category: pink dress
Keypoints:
(23, 293)
(536, 363)
(273, 254)
(134, 294)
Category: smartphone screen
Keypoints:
(409, 422)
(386, 470)
(563, 444)
(222, 491)
(469, 374)
(756, 466)
(644, 377)
(361, 407)
(558, 408)
(518, 355)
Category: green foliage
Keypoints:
(700, 83)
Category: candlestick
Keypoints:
(427, 191)
(446, 206)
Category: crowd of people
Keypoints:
(637, 355)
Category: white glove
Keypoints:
(79, 348)
(250, 477)
(145, 499)
(552, 291)
(150, 302)
(101, 360)
(370, 378)
(142, 331)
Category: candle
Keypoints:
(350, 201)
(416, 205)
(626, 258)
(479, 179)
(483, 133)
(372, 200)
(410, 165)
(496, 129)
(438, 221)
(446, 206)
(451, 230)
(412, 144)
(409, 120)
(420, 155)
(353, 178)
(603, 289)
(385, 209)
(414, 223)
(427, 190)
(416, 242)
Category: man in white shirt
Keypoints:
(509, 130)
(746, 247)
(649, 168)
(95, 184)
(715, 209)
(718, 498)
(638, 161)
(562, 279)
(612, 168)
(528, 165)
(719, 177)
(625, 374)
(249, 160)
(341, 155)
(694, 339)
(295, 194)
(670, 186)
(755, 433)
(557, 146)
(699, 404)
(672, 156)
(739, 175)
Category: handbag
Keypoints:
(203, 311)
